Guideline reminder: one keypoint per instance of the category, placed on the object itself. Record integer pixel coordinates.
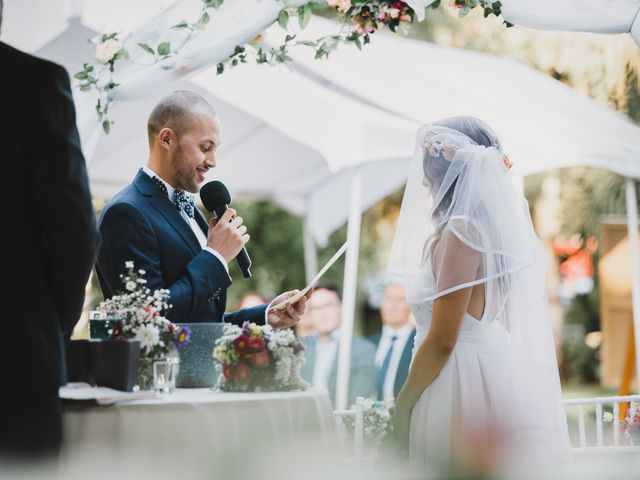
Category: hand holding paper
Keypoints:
(295, 298)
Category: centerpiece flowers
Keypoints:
(140, 314)
(377, 418)
(255, 358)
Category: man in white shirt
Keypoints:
(324, 309)
(394, 343)
(154, 223)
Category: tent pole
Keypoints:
(310, 254)
(349, 291)
(632, 225)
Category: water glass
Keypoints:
(164, 376)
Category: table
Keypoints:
(199, 429)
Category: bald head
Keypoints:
(177, 112)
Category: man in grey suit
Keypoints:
(320, 368)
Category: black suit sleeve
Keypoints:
(61, 191)
(129, 237)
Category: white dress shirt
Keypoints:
(326, 350)
(402, 336)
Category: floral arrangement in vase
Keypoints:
(255, 358)
(140, 314)
(378, 421)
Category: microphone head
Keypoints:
(214, 194)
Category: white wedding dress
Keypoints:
(462, 224)
(471, 391)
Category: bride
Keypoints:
(484, 381)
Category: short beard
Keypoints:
(185, 180)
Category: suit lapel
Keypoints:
(168, 210)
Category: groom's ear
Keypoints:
(166, 138)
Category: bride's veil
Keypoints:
(462, 217)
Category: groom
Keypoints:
(154, 223)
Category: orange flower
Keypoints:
(243, 374)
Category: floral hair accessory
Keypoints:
(507, 162)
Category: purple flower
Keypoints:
(183, 336)
(298, 347)
(117, 330)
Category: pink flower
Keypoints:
(343, 6)
(405, 18)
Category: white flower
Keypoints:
(148, 335)
(105, 52)
(128, 264)
(393, 12)
(141, 272)
(607, 417)
(130, 285)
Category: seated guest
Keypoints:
(252, 299)
(395, 342)
(320, 369)
(304, 327)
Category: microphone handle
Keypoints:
(243, 259)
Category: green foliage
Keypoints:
(304, 15)
(579, 363)
(283, 19)
(147, 48)
(164, 48)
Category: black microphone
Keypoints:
(216, 199)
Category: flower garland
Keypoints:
(361, 18)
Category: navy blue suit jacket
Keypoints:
(405, 360)
(141, 224)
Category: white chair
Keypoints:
(358, 432)
(616, 442)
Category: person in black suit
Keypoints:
(395, 342)
(49, 244)
(154, 223)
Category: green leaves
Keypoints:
(81, 75)
(180, 26)
(147, 48)
(283, 18)
(304, 15)
(164, 48)
(213, 3)
(106, 126)
(202, 22)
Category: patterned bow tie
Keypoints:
(183, 202)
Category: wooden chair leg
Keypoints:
(628, 372)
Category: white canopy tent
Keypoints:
(544, 124)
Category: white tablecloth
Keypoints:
(198, 429)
